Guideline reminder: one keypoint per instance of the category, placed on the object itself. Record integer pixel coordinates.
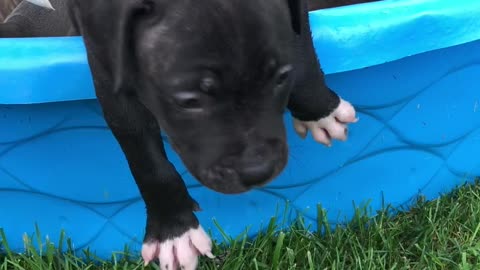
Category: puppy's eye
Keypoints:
(187, 100)
(208, 85)
(283, 74)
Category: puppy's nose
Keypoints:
(262, 163)
(245, 168)
(258, 174)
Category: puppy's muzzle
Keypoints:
(254, 167)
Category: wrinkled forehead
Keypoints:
(247, 32)
(219, 12)
(228, 23)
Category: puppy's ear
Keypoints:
(295, 8)
(42, 3)
(123, 52)
(108, 29)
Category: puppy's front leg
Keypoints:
(173, 234)
(314, 106)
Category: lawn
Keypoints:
(440, 234)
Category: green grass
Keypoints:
(441, 234)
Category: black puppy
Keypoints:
(216, 76)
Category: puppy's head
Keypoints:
(216, 75)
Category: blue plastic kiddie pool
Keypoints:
(411, 68)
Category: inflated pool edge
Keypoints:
(346, 38)
(410, 67)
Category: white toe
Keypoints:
(201, 241)
(150, 252)
(335, 129)
(187, 255)
(167, 256)
(321, 136)
(300, 128)
(345, 112)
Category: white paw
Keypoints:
(181, 252)
(331, 127)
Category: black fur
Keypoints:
(215, 75)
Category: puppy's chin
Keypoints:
(228, 180)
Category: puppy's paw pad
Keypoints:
(181, 252)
